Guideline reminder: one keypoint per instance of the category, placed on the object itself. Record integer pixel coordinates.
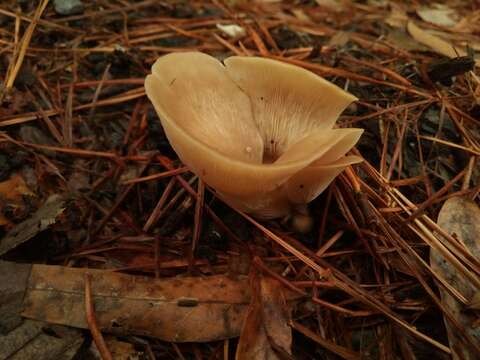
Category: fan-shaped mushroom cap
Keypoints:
(288, 101)
(253, 128)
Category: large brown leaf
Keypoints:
(188, 309)
(460, 218)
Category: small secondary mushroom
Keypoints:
(258, 131)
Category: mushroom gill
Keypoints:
(258, 131)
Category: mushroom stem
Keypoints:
(302, 220)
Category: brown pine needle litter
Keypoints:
(75, 121)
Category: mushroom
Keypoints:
(258, 131)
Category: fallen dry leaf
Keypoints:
(44, 217)
(435, 43)
(469, 23)
(335, 5)
(13, 282)
(459, 217)
(300, 15)
(189, 309)
(439, 15)
(403, 40)
(398, 17)
(266, 330)
(11, 193)
(37, 340)
(339, 40)
(14, 188)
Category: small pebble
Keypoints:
(68, 7)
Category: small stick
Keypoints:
(352, 177)
(386, 71)
(16, 63)
(97, 93)
(323, 222)
(155, 215)
(338, 350)
(197, 228)
(225, 349)
(229, 46)
(133, 119)
(92, 322)
(468, 175)
(156, 176)
(156, 245)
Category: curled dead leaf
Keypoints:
(14, 188)
(459, 217)
(435, 43)
(266, 330)
(439, 15)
